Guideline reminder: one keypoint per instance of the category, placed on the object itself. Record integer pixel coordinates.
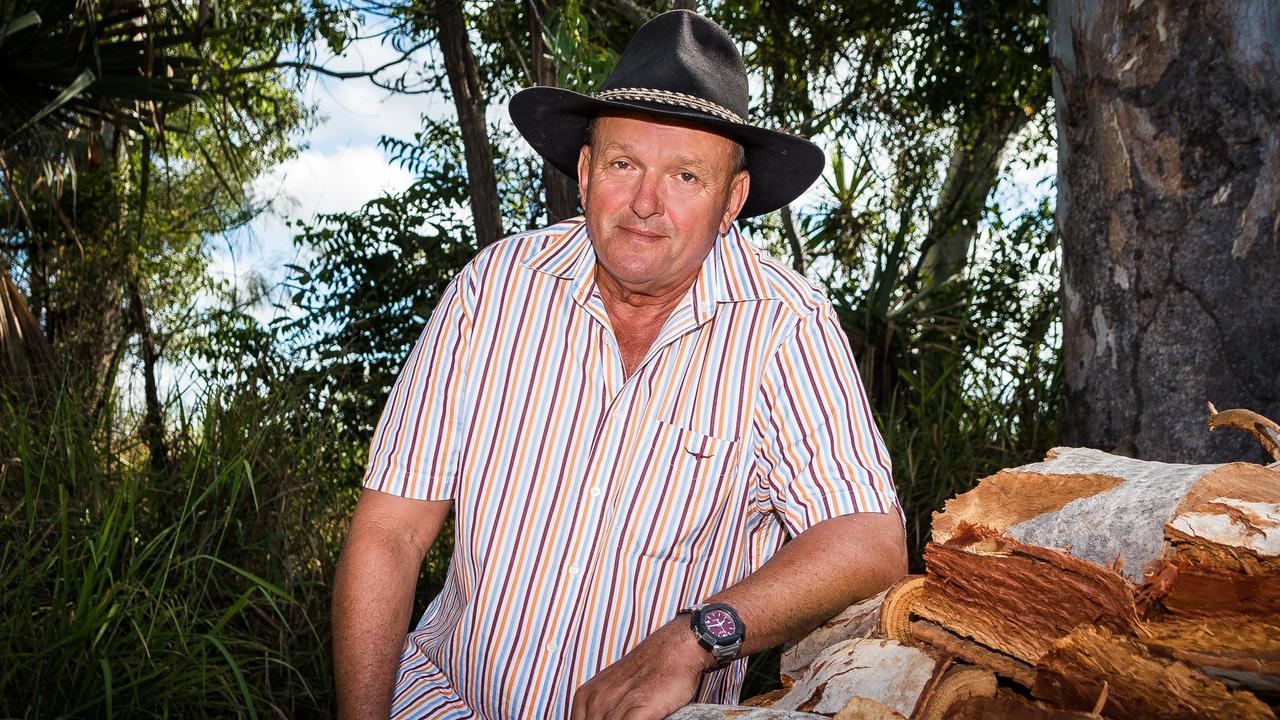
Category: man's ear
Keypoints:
(739, 188)
(584, 173)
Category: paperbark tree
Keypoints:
(1168, 211)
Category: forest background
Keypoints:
(181, 450)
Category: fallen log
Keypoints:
(899, 608)
(1011, 706)
(1017, 599)
(1092, 669)
(944, 642)
(860, 620)
(890, 673)
(958, 685)
(738, 712)
(1111, 510)
(1224, 547)
(870, 678)
(1241, 652)
(860, 708)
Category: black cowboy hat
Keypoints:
(683, 66)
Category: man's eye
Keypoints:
(620, 164)
(687, 177)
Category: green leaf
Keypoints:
(77, 86)
(26, 20)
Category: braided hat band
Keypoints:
(670, 97)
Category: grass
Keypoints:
(192, 592)
(203, 589)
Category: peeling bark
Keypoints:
(1168, 213)
(740, 712)
(1017, 599)
(1092, 663)
(1241, 652)
(890, 673)
(860, 620)
(945, 642)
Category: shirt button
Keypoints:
(551, 647)
(573, 569)
(595, 492)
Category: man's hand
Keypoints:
(658, 677)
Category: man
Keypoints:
(628, 413)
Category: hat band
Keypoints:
(670, 97)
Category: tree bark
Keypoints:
(1090, 664)
(1169, 217)
(895, 675)
(560, 191)
(860, 620)
(468, 99)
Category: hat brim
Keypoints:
(554, 121)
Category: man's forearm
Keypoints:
(816, 575)
(372, 603)
(819, 573)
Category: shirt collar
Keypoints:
(731, 272)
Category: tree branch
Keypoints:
(322, 70)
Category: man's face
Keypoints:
(656, 195)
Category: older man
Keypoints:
(628, 412)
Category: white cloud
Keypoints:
(313, 183)
(322, 182)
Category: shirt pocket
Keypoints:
(682, 495)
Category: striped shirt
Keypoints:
(591, 506)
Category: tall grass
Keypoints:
(203, 588)
(944, 437)
(196, 591)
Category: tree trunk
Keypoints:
(153, 417)
(1169, 217)
(900, 678)
(468, 98)
(561, 192)
(971, 176)
(860, 620)
(1036, 552)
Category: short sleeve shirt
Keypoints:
(590, 506)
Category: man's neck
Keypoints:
(637, 315)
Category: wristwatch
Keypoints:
(719, 629)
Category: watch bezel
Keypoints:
(724, 649)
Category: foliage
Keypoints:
(202, 587)
(194, 594)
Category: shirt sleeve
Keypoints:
(820, 454)
(418, 440)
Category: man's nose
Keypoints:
(647, 200)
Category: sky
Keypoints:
(340, 167)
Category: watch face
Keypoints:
(719, 623)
